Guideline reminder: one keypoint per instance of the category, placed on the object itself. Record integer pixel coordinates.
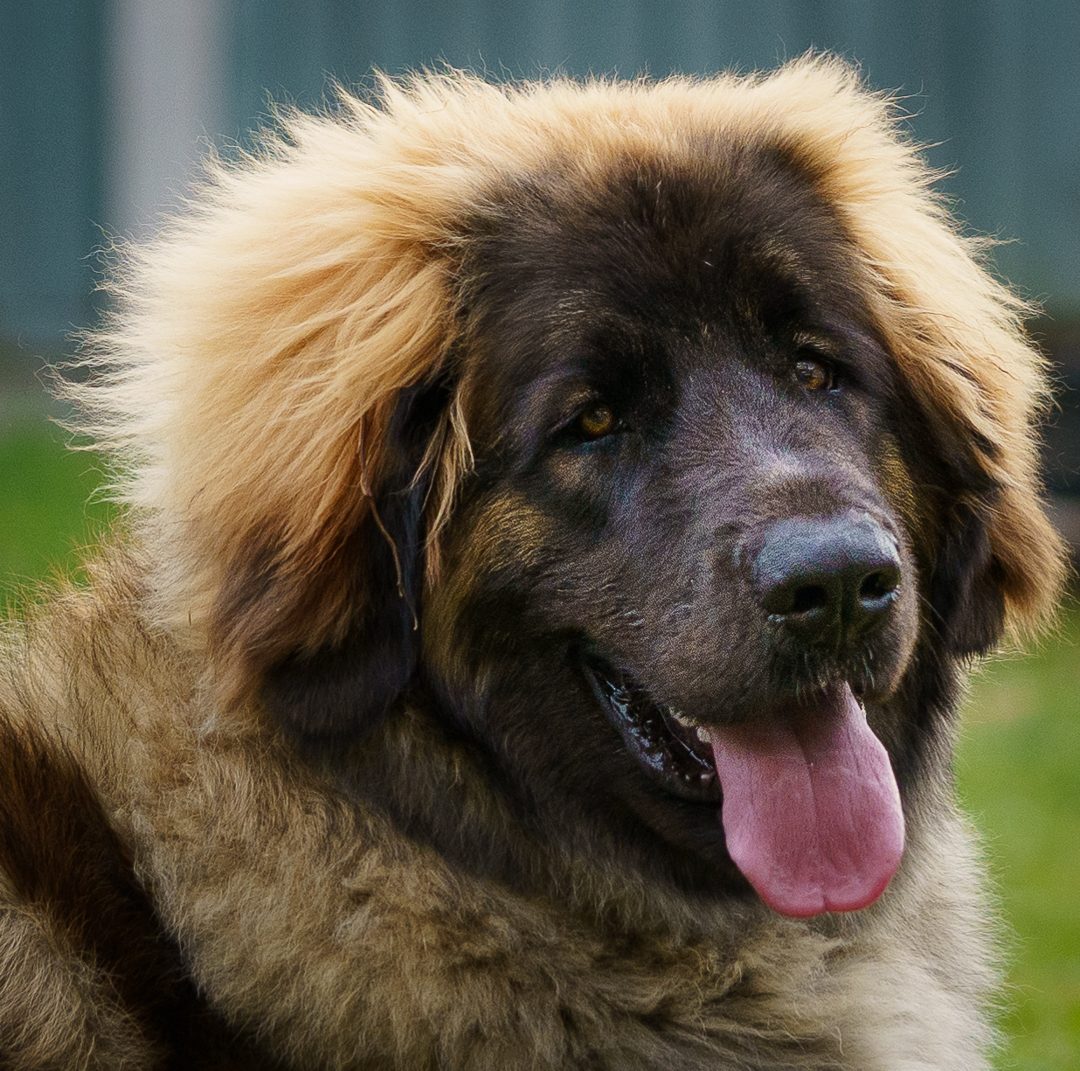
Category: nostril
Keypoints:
(807, 598)
(796, 597)
(879, 584)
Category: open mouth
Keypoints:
(810, 807)
(674, 751)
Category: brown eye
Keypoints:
(596, 422)
(814, 375)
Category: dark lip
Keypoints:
(668, 753)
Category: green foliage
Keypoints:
(1018, 765)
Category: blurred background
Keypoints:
(107, 107)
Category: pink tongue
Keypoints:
(811, 810)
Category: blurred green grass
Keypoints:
(47, 508)
(1019, 776)
(1018, 768)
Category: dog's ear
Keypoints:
(948, 500)
(349, 685)
(348, 679)
(969, 572)
(257, 385)
(993, 560)
(966, 593)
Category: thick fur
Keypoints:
(304, 776)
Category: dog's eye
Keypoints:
(815, 375)
(596, 422)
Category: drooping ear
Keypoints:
(996, 565)
(965, 591)
(948, 501)
(348, 680)
(254, 385)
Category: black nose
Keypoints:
(827, 579)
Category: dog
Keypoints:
(559, 520)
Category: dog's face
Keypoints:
(687, 510)
(643, 435)
(712, 559)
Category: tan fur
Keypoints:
(56, 1010)
(242, 388)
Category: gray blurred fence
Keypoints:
(106, 104)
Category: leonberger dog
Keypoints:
(559, 520)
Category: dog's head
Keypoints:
(663, 433)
